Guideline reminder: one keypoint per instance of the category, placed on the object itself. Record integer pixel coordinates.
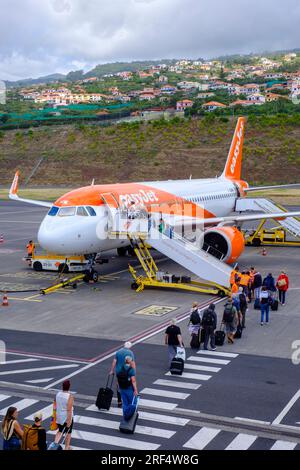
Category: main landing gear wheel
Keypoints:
(134, 286)
(221, 294)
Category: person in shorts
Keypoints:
(230, 320)
(65, 414)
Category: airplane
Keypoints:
(77, 222)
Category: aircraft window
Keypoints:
(53, 211)
(82, 212)
(91, 211)
(67, 211)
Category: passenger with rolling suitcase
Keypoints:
(230, 320)
(105, 395)
(173, 339)
(128, 388)
(119, 362)
(194, 326)
(209, 323)
(220, 336)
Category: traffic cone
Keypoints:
(5, 300)
(264, 252)
(1, 238)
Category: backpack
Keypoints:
(123, 378)
(208, 318)
(195, 317)
(228, 314)
(30, 438)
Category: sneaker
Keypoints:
(283, 305)
(213, 349)
(262, 323)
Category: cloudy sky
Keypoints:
(38, 37)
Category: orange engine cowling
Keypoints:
(226, 240)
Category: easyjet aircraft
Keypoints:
(77, 222)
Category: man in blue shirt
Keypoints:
(119, 362)
(128, 388)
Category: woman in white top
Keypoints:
(64, 414)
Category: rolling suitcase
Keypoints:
(195, 341)
(274, 305)
(105, 395)
(58, 446)
(220, 337)
(177, 366)
(239, 332)
(128, 426)
(257, 304)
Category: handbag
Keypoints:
(181, 353)
(53, 423)
(281, 282)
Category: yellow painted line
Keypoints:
(33, 297)
(24, 300)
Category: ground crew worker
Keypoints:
(251, 288)
(234, 288)
(30, 249)
(244, 282)
(233, 277)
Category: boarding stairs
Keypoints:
(191, 257)
(290, 224)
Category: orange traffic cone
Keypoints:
(264, 252)
(1, 238)
(5, 300)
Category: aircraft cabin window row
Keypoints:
(209, 197)
(71, 211)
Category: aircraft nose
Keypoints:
(48, 239)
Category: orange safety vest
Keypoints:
(235, 288)
(30, 248)
(232, 276)
(245, 279)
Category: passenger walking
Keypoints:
(209, 323)
(173, 339)
(119, 362)
(243, 307)
(230, 320)
(11, 430)
(34, 437)
(257, 284)
(195, 320)
(264, 305)
(282, 285)
(269, 283)
(65, 414)
(128, 387)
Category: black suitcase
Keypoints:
(128, 426)
(177, 366)
(219, 338)
(105, 395)
(186, 280)
(274, 305)
(195, 341)
(239, 332)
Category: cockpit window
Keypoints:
(67, 211)
(91, 211)
(82, 212)
(53, 211)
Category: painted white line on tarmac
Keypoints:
(249, 420)
(20, 405)
(113, 440)
(187, 375)
(158, 418)
(171, 383)
(165, 393)
(202, 438)
(284, 445)
(39, 369)
(39, 381)
(208, 360)
(241, 442)
(287, 408)
(157, 404)
(50, 358)
(4, 397)
(203, 368)
(105, 423)
(215, 353)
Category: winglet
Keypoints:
(233, 167)
(13, 192)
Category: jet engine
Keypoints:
(224, 242)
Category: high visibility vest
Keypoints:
(30, 248)
(235, 288)
(232, 277)
(245, 278)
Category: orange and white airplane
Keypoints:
(77, 222)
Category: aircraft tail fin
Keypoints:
(233, 167)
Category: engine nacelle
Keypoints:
(226, 240)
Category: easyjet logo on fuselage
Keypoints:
(237, 148)
(141, 197)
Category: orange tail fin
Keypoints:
(233, 167)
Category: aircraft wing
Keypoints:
(13, 194)
(268, 188)
(234, 219)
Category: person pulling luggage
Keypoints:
(230, 320)
(209, 323)
(128, 388)
(119, 361)
(195, 326)
(173, 339)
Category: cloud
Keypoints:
(38, 38)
